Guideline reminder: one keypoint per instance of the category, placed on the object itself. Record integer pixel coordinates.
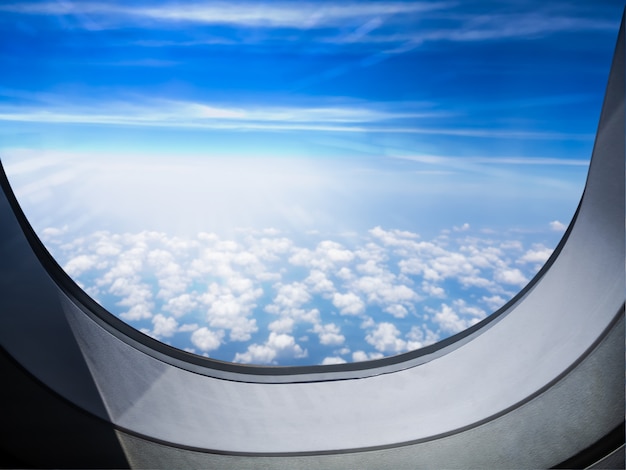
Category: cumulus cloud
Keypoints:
(456, 318)
(136, 295)
(421, 336)
(277, 345)
(537, 254)
(164, 327)
(511, 276)
(327, 255)
(181, 304)
(81, 263)
(348, 304)
(207, 340)
(397, 310)
(449, 321)
(399, 238)
(171, 280)
(557, 226)
(333, 360)
(386, 339)
(188, 327)
(360, 356)
(290, 303)
(493, 302)
(329, 334)
(282, 325)
(52, 233)
(289, 297)
(230, 306)
(319, 282)
(383, 290)
(432, 290)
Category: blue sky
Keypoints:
(217, 172)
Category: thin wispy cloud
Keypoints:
(137, 110)
(235, 125)
(367, 20)
(300, 15)
(373, 118)
(468, 28)
(493, 160)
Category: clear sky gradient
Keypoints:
(217, 172)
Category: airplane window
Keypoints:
(301, 183)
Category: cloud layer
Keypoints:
(264, 298)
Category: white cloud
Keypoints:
(277, 346)
(335, 252)
(345, 274)
(181, 305)
(415, 266)
(145, 111)
(432, 290)
(326, 255)
(134, 294)
(374, 119)
(163, 326)
(348, 304)
(231, 310)
(493, 302)
(397, 310)
(557, 226)
(345, 23)
(300, 15)
(270, 249)
(383, 291)
(371, 267)
(537, 254)
(420, 337)
(289, 296)
(333, 360)
(187, 327)
(449, 321)
(256, 354)
(466, 309)
(319, 282)
(449, 265)
(137, 312)
(282, 325)
(360, 356)
(477, 281)
(207, 340)
(455, 320)
(52, 232)
(289, 302)
(465, 162)
(511, 276)
(329, 334)
(386, 339)
(81, 263)
(511, 245)
(399, 238)
(486, 256)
